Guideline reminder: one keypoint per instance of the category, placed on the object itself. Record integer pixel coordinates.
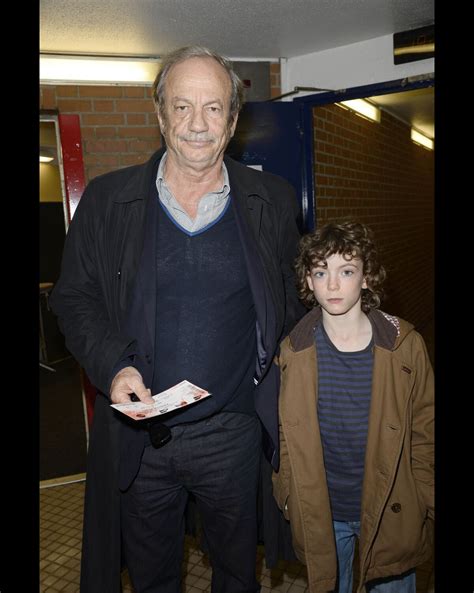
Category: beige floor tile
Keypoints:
(294, 588)
(61, 509)
(190, 579)
(301, 581)
(71, 588)
(198, 570)
(201, 584)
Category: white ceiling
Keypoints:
(236, 28)
(261, 29)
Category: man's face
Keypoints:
(196, 121)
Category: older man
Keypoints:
(180, 268)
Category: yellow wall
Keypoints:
(50, 183)
(47, 133)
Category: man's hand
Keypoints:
(126, 382)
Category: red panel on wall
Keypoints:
(73, 165)
(74, 180)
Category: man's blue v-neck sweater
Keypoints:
(205, 316)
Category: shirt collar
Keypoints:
(161, 183)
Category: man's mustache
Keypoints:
(197, 138)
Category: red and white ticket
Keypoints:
(179, 396)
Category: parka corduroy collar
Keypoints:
(386, 330)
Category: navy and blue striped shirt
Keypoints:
(344, 393)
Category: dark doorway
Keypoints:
(63, 435)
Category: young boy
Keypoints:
(356, 423)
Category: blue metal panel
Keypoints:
(307, 167)
(370, 90)
(269, 135)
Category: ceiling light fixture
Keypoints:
(46, 159)
(421, 139)
(62, 69)
(363, 108)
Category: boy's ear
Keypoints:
(309, 280)
(364, 283)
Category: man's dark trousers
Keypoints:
(216, 459)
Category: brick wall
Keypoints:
(375, 174)
(275, 80)
(118, 124)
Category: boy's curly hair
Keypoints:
(351, 240)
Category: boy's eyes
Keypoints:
(322, 273)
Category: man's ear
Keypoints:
(233, 124)
(161, 120)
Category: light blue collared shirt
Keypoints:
(210, 206)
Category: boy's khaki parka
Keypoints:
(397, 511)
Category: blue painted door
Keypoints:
(269, 136)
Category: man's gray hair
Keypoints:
(196, 51)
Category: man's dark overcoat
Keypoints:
(105, 300)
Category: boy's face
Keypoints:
(337, 284)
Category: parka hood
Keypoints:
(389, 331)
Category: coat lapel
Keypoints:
(147, 273)
(143, 297)
(248, 207)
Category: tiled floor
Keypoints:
(61, 508)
